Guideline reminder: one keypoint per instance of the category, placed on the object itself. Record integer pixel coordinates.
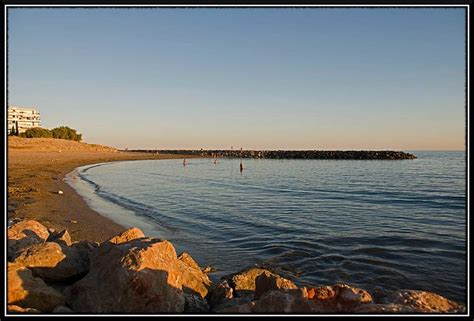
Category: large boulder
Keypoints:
(268, 281)
(193, 279)
(243, 282)
(23, 234)
(53, 262)
(85, 250)
(27, 291)
(351, 295)
(283, 301)
(127, 235)
(138, 276)
(424, 302)
(187, 259)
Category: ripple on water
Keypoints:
(380, 225)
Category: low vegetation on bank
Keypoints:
(62, 132)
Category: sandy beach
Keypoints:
(36, 168)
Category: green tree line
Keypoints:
(62, 132)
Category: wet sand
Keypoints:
(36, 169)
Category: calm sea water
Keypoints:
(380, 225)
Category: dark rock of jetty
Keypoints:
(293, 154)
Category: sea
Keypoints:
(381, 225)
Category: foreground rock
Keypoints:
(283, 301)
(17, 309)
(85, 249)
(23, 234)
(135, 276)
(337, 298)
(62, 237)
(243, 282)
(268, 281)
(219, 294)
(128, 235)
(131, 273)
(193, 279)
(54, 262)
(426, 302)
(29, 292)
(278, 295)
(141, 275)
(274, 294)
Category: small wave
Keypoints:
(367, 196)
(331, 223)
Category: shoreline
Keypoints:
(126, 218)
(36, 174)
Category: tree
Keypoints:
(37, 132)
(64, 132)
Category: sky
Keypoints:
(257, 78)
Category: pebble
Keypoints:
(60, 192)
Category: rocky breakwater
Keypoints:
(132, 273)
(293, 154)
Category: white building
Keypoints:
(24, 117)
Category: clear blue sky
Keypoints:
(257, 78)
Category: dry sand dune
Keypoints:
(51, 144)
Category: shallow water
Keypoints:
(379, 225)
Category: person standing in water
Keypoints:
(184, 162)
(241, 166)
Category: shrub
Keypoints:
(65, 132)
(37, 132)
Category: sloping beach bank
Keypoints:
(36, 168)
